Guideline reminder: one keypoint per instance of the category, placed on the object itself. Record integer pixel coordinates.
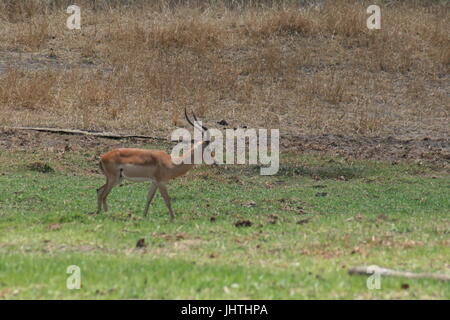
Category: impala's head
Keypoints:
(206, 140)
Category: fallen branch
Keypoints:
(393, 273)
(109, 135)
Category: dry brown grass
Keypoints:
(29, 91)
(316, 69)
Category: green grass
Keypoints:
(310, 224)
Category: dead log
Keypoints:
(109, 135)
(370, 270)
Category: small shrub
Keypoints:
(40, 167)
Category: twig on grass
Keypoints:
(364, 270)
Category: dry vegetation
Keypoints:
(311, 65)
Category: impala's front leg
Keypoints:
(151, 194)
(165, 195)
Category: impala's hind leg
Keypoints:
(107, 190)
(99, 197)
(103, 191)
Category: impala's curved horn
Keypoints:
(196, 122)
(187, 118)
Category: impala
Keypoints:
(146, 165)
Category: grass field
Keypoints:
(300, 232)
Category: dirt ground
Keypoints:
(428, 150)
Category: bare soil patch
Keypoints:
(432, 150)
(436, 150)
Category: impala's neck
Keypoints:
(187, 161)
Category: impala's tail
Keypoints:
(100, 164)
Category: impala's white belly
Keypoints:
(137, 173)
